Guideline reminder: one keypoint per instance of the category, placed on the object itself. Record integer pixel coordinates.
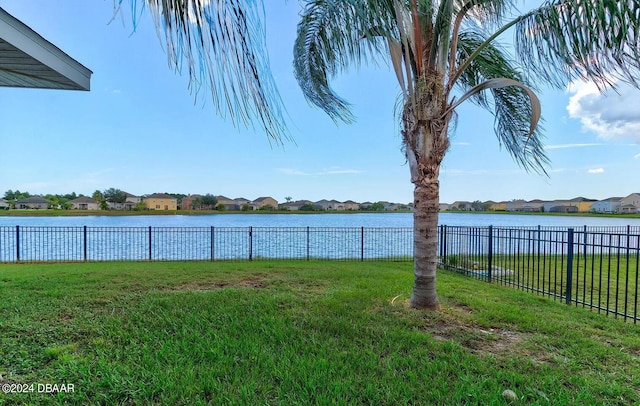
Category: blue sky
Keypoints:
(140, 130)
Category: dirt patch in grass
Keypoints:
(454, 323)
(477, 339)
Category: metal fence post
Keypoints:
(84, 237)
(490, 254)
(584, 249)
(569, 264)
(444, 244)
(150, 249)
(17, 243)
(361, 243)
(308, 243)
(213, 253)
(250, 243)
(440, 241)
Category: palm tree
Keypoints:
(444, 52)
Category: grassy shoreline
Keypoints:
(285, 332)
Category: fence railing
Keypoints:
(593, 267)
(77, 244)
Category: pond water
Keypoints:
(316, 220)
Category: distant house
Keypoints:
(515, 205)
(233, 204)
(325, 204)
(190, 202)
(488, 205)
(194, 202)
(610, 205)
(239, 203)
(461, 205)
(582, 203)
(351, 205)
(132, 201)
(630, 204)
(388, 206)
(535, 206)
(498, 206)
(129, 204)
(444, 206)
(84, 203)
(295, 206)
(559, 206)
(33, 202)
(336, 205)
(227, 203)
(578, 204)
(160, 201)
(563, 208)
(4, 205)
(261, 202)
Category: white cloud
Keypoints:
(596, 170)
(610, 115)
(290, 171)
(636, 156)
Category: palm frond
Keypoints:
(488, 13)
(491, 62)
(221, 43)
(564, 40)
(439, 53)
(513, 111)
(515, 107)
(335, 34)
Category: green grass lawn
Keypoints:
(285, 332)
(608, 281)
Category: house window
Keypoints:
(157, 206)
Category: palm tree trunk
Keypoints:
(425, 243)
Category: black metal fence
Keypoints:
(592, 267)
(77, 244)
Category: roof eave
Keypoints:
(40, 64)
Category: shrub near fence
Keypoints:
(592, 267)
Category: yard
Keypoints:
(290, 332)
